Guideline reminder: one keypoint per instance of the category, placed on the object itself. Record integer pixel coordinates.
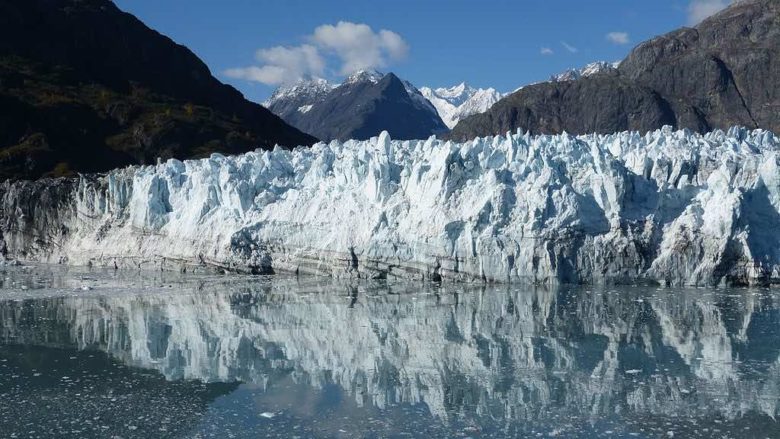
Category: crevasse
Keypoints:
(671, 207)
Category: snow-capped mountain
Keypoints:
(421, 100)
(574, 74)
(370, 75)
(365, 104)
(460, 101)
(298, 97)
(293, 102)
(583, 72)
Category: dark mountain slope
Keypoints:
(86, 87)
(291, 102)
(723, 72)
(363, 106)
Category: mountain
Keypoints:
(364, 105)
(458, 102)
(720, 73)
(85, 87)
(669, 207)
(288, 101)
(589, 70)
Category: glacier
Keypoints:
(669, 207)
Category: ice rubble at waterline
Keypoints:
(673, 207)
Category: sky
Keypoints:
(257, 45)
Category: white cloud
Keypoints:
(569, 47)
(546, 51)
(698, 10)
(282, 65)
(271, 75)
(358, 46)
(350, 46)
(618, 37)
(305, 58)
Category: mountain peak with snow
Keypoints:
(363, 105)
(459, 101)
(589, 70)
(307, 89)
(365, 75)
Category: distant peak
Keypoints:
(310, 87)
(304, 82)
(460, 101)
(369, 75)
(460, 88)
(589, 70)
(393, 76)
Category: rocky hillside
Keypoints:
(721, 73)
(85, 87)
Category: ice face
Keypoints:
(671, 206)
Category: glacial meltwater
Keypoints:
(103, 353)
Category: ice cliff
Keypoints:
(671, 207)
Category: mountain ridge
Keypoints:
(89, 87)
(460, 101)
(362, 106)
(720, 73)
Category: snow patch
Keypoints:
(589, 70)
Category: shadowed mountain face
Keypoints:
(364, 106)
(721, 73)
(86, 87)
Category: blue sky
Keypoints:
(487, 43)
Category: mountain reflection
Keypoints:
(505, 355)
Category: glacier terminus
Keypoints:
(669, 207)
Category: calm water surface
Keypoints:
(102, 354)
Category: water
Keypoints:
(102, 354)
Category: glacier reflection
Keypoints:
(503, 355)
